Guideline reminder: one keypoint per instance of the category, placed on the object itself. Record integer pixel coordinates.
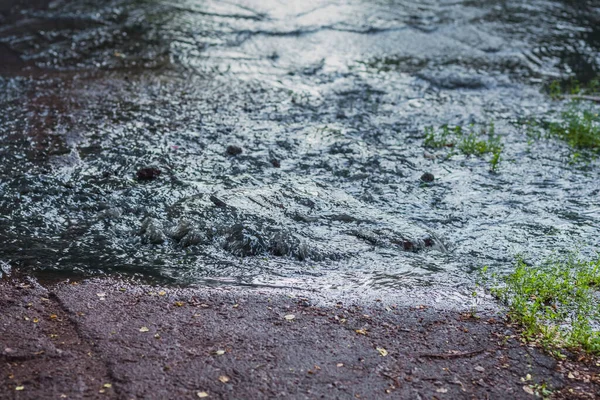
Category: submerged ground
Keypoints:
(269, 144)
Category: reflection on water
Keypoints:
(265, 143)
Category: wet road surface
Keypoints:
(109, 339)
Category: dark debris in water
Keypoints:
(427, 177)
(148, 174)
(233, 150)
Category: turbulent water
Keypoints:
(281, 143)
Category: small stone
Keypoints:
(427, 177)
(148, 174)
(233, 150)
(479, 368)
(275, 163)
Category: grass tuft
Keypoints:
(579, 127)
(478, 143)
(556, 303)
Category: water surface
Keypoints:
(327, 100)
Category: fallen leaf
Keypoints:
(236, 305)
(36, 320)
(224, 379)
(107, 385)
(361, 332)
(53, 316)
(339, 365)
(290, 317)
(179, 303)
(382, 351)
(144, 329)
(571, 376)
(19, 388)
(157, 336)
(162, 293)
(528, 390)
(220, 352)
(202, 395)
(442, 390)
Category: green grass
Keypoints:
(579, 127)
(558, 89)
(556, 303)
(471, 142)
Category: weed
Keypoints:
(495, 160)
(444, 137)
(542, 390)
(559, 89)
(472, 143)
(579, 127)
(594, 85)
(556, 303)
(555, 90)
(575, 87)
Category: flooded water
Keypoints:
(281, 143)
